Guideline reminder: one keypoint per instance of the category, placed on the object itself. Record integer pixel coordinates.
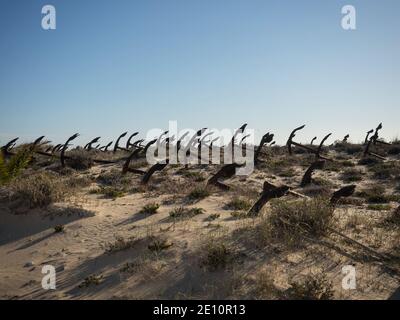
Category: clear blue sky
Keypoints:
(125, 65)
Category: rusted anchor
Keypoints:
(307, 178)
(128, 143)
(5, 150)
(269, 192)
(375, 137)
(312, 141)
(134, 155)
(105, 147)
(88, 146)
(366, 137)
(317, 152)
(116, 146)
(64, 148)
(227, 171)
(157, 167)
(374, 140)
(266, 138)
(346, 191)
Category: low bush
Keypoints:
(292, 222)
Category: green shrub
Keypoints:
(58, 228)
(379, 207)
(108, 192)
(217, 255)
(312, 287)
(113, 178)
(368, 161)
(212, 217)
(79, 159)
(158, 245)
(238, 204)
(394, 150)
(385, 170)
(91, 280)
(292, 222)
(194, 175)
(150, 208)
(39, 190)
(352, 175)
(120, 244)
(13, 167)
(199, 193)
(348, 148)
(182, 212)
(374, 194)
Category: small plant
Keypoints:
(394, 218)
(131, 267)
(385, 170)
(120, 244)
(150, 208)
(374, 194)
(113, 178)
(287, 173)
(39, 190)
(351, 201)
(77, 182)
(238, 214)
(347, 163)
(379, 207)
(59, 228)
(217, 255)
(111, 192)
(348, 148)
(265, 287)
(395, 150)
(91, 280)
(238, 204)
(316, 190)
(322, 182)
(194, 175)
(368, 161)
(199, 193)
(313, 287)
(11, 169)
(159, 244)
(352, 175)
(212, 217)
(356, 220)
(79, 159)
(291, 222)
(182, 212)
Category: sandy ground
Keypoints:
(92, 222)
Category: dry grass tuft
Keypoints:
(293, 222)
(199, 193)
(39, 190)
(216, 254)
(312, 287)
(238, 204)
(183, 213)
(150, 208)
(352, 175)
(120, 244)
(79, 159)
